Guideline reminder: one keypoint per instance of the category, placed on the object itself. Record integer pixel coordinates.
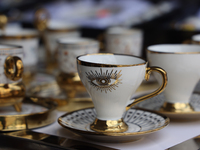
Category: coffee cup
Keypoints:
(51, 30)
(29, 40)
(68, 50)
(55, 30)
(182, 63)
(11, 71)
(124, 41)
(111, 80)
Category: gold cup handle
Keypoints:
(41, 19)
(3, 21)
(13, 68)
(154, 93)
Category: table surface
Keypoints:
(174, 133)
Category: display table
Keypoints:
(174, 133)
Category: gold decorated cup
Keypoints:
(111, 80)
(29, 40)
(68, 49)
(12, 90)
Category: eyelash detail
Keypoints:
(104, 80)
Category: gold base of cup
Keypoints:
(176, 107)
(109, 126)
(12, 95)
(71, 83)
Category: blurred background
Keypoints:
(162, 21)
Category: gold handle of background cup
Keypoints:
(41, 19)
(154, 93)
(3, 22)
(13, 68)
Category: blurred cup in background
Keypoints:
(68, 50)
(182, 64)
(29, 40)
(124, 41)
(55, 30)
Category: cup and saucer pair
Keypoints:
(108, 81)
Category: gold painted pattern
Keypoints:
(85, 63)
(103, 81)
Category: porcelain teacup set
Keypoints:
(111, 79)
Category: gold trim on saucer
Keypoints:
(109, 126)
(31, 120)
(110, 134)
(93, 64)
(176, 107)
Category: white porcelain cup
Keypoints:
(70, 48)
(111, 80)
(29, 40)
(11, 71)
(182, 64)
(58, 29)
(124, 41)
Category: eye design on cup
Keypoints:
(104, 81)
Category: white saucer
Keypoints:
(35, 113)
(154, 104)
(140, 123)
